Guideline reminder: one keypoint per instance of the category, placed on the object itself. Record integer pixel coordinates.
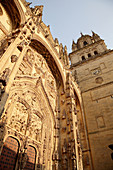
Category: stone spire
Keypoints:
(61, 50)
(74, 46)
(95, 36)
(81, 34)
(56, 42)
(66, 55)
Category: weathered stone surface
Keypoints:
(94, 75)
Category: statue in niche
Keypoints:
(38, 13)
(38, 135)
(30, 57)
(34, 129)
(22, 160)
(51, 89)
(2, 90)
(5, 74)
(23, 155)
(61, 50)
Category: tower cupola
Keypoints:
(86, 48)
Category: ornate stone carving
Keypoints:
(29, 113)
(2, 90)
(99, 80)
(51, 90)
(35, 65)
(35, 126)
(37, 11)
(64, 114)
(56, 42)
(3, 80)
(64, 149)
(19, 121)
(61, 50)
(14, 58)
(5, 74)
(22, 159)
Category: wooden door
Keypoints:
(9, 154)
(31, 154)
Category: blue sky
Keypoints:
(67, 18)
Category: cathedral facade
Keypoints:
(49, 118)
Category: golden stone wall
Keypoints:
(94, 75)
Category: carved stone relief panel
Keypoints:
(51, 89)
(35, 65)
(24, 69)
(35, 125)
(34, 104)
(31, 117)
(19, 118)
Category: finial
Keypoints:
(73, 42)
(92, 32)
(28, 3)
(65, 48)
(74, 46)
(61, 45)
(81, 34)
(48, 26)
(95, 36)
(56, 41)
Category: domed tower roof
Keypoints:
(84, 40)
(87, 48)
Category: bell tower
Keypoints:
(92, 69)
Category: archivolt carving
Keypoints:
(36, 66)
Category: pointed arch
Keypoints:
(43, 47)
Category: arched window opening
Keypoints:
(89, 55)
(83, 58)
(111, 147)
(85, 43)
(95, 52)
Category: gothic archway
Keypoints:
(41, 49)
